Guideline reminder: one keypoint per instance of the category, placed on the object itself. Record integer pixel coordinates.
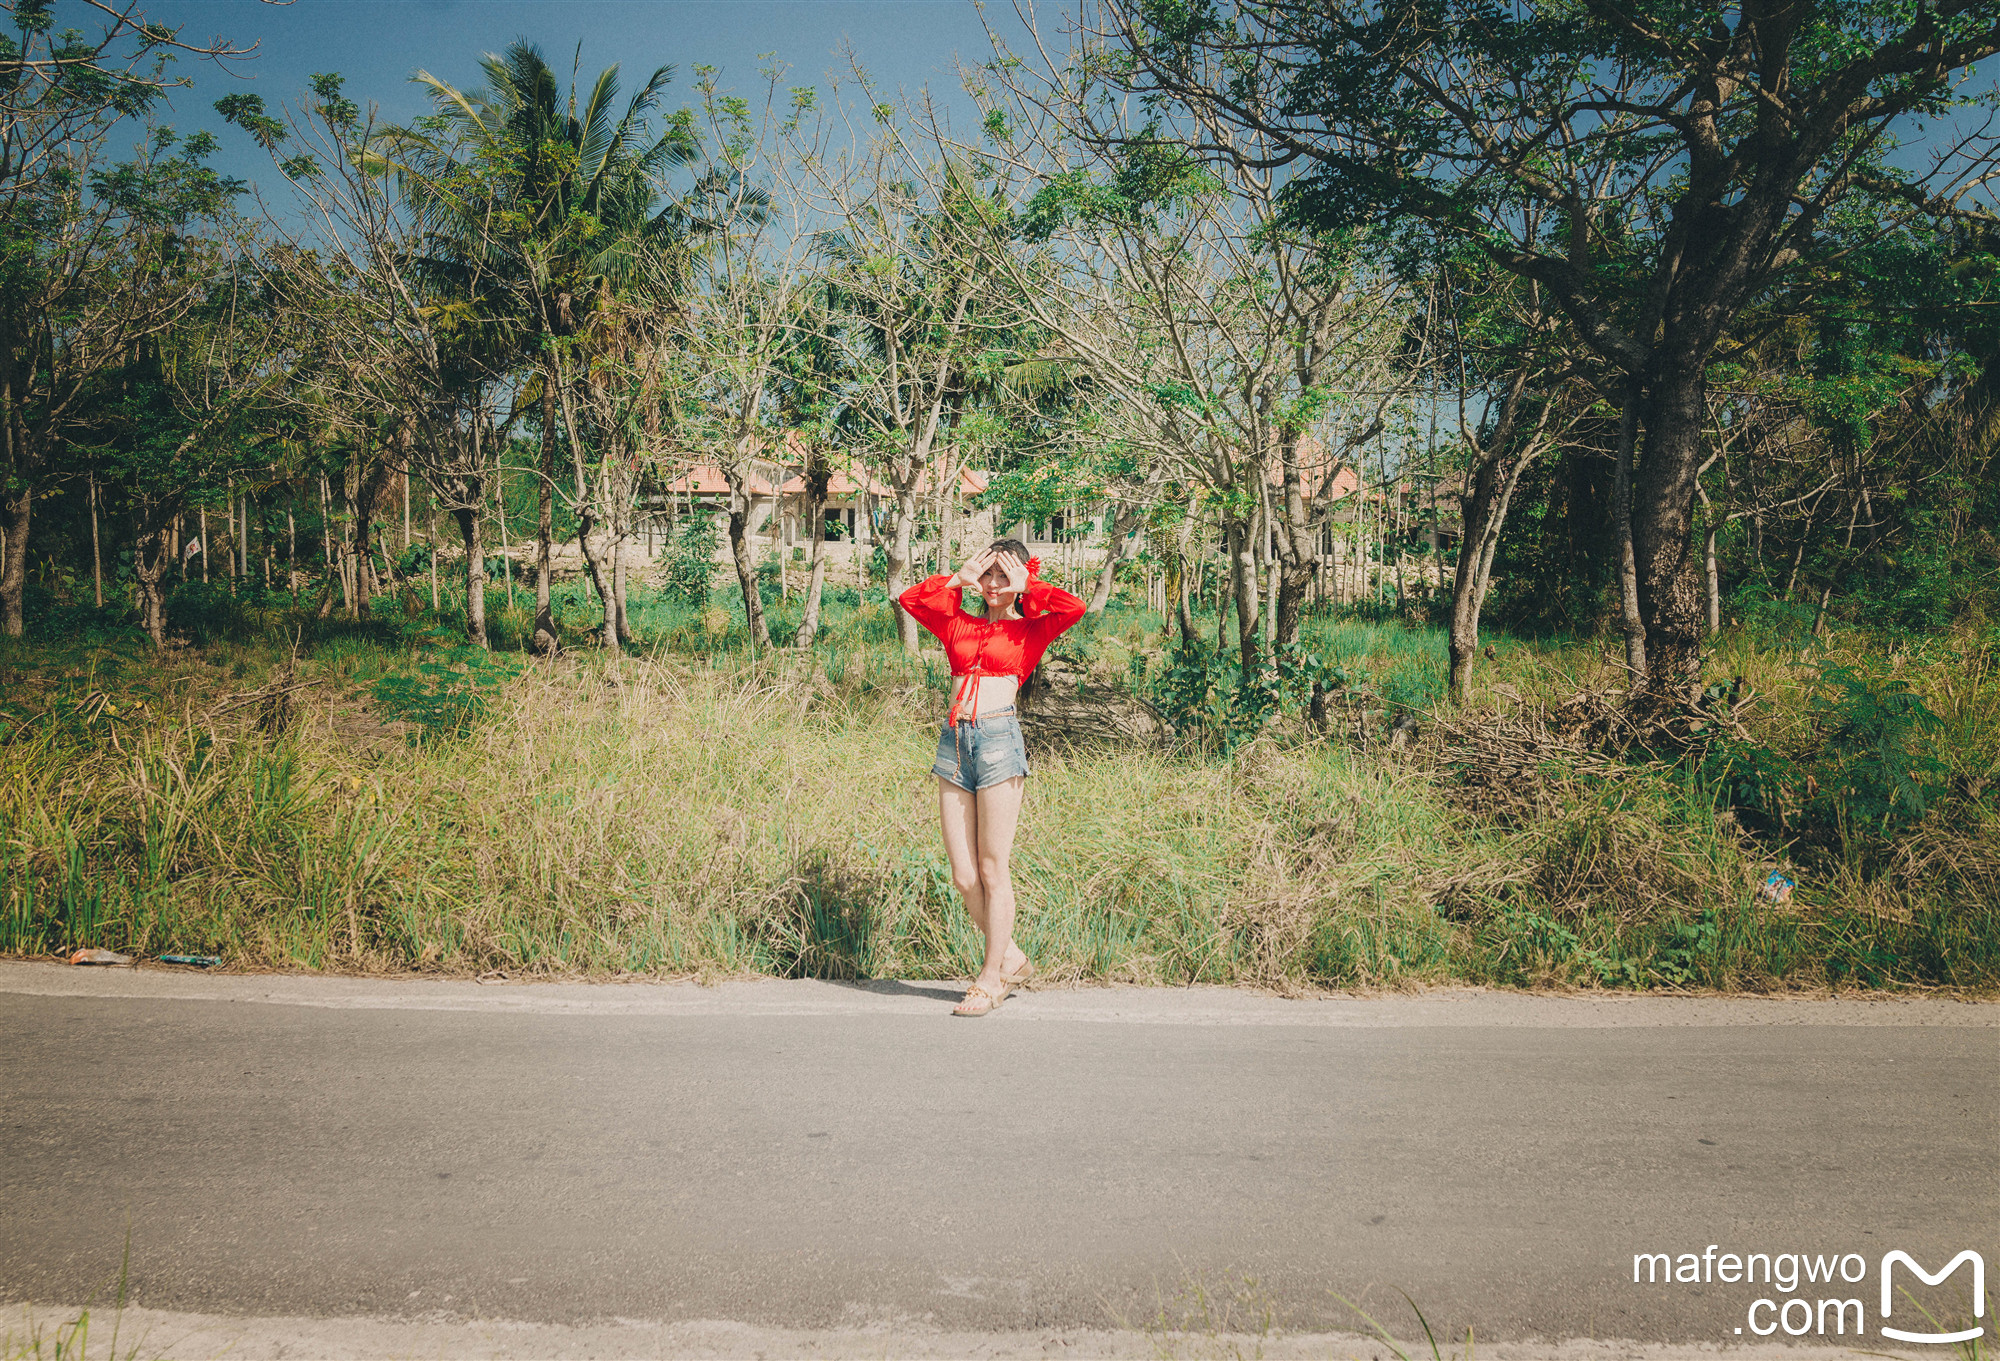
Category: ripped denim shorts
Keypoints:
(981, 754)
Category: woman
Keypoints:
(981, 763)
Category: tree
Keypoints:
(176, 427)
(1682, 166)
(1235, 347)
(557, 201)
(807, 398)
(403, 347)
(906, 253)
(747, 301)
(78, 235)
(1512, 406)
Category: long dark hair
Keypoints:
(1026, 689)
(1014, 546)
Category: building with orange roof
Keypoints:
(858, 505)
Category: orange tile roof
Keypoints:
(705, 479)
(843, 483)
(971, 481)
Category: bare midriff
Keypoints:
(996, 693)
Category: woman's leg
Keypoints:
(958, 815)
(999, 813)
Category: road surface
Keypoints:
(823, 1161)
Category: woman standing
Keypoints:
(981, 763)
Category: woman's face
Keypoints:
(993, 587)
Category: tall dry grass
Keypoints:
(691, 817)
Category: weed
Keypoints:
(449, 693)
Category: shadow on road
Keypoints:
(889, 987)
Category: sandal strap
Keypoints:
(976, 991)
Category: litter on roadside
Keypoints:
(199, 961)
(94, 956)
(1777, 888)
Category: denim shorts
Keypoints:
(976, 756)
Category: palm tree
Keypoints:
(556, 200)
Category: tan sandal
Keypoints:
(968, 1006)
(1024, 974)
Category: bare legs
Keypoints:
(979, 839)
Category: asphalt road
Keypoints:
(816, 1156)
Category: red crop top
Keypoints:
(989, 647)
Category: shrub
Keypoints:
(207, 612)
(1202, 693)
(1877, 770)
(449, 693)
(689, 561)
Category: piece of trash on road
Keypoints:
(199, 961)
(99, 957)
(1777, 889)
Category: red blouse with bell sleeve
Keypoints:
(992, 647)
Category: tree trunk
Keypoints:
(1298, 548)
(467, 515)
(96, 549)
(1483, 511)
(1267, 574)
(350, 575)
(500, 519)
(1120, 529)
(545, 642)
(1295, 586)
(325, 528)
(15, 506)
(370, 500)
(1670, 590)
(1243, 572)
(624, 622)
(591, 517)
(1847, 544)
(817, 474)
(1714, 575)
(897, 550)
(1223, 591)
(743, 554)
(1178, 583)
(947, 504)
(598, 566)
(152, 552)
(1628, 569)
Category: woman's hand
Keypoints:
(1016, 570)
(969, 571)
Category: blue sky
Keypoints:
(377, 44)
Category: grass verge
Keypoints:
(702, 812)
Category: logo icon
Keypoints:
(1978, 1294)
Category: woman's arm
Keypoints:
(932, 602)
(1049, 609)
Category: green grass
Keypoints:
(697, 810)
